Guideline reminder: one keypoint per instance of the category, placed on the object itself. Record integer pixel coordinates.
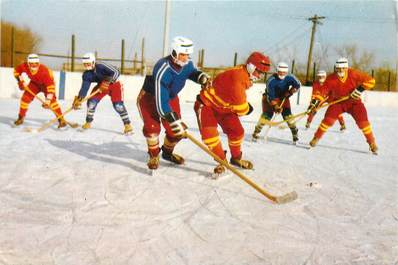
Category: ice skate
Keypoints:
(128, 129)
(62, 123)
(373, 148)
(172, 157)
(342, 128)
(307, 125)
(241, 162)
(314, 142)
(86, 126)
(218, 172)
(153, 162)
(19, 121)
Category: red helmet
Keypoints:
(257, 61)
(260, 61)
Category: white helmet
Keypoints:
(282, 70)
(33, 58)
(321, 73)
(181, 45)
(88, 61)
(33, 62)
(341, 63)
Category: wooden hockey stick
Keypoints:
(269, 127)
(306, 112)
(48, 124)
(291, 196)
(71, 124)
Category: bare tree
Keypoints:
(358, 59)
(25, 41)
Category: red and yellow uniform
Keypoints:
(338, 87)
(320, 93)
(222, 104)
(41, 80)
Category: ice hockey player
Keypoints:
(223, 102)
(41, 80)
(158, 100)
(347, 82)
(280, 86)
(106, 76)
(318, 98)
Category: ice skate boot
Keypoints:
(373, 148)
(153, 162)
(86, 126)
(239, 162)
(342, 128)
(61, 123)
(128, 129)
(314, 142)
(172, 157)
(19, 121)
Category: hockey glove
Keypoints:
(275, 104)
(104, 86)
(204, 80)
(290, 92)
(313, 105)
(21, 85)
(47, 101)
(356, 94)
(77, 102)
(250, 109)
(178, 127)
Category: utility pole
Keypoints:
(166, 27)
(315, 20)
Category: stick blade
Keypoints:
(288, 197)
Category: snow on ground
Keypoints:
(71, 197)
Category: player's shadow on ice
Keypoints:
(112, 153)
(28, 121)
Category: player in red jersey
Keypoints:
(347, 82)
(319, 97)
(41, 80)
(223, 102)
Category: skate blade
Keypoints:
(215, 176)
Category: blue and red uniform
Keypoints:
(159, 97)
(103, 72)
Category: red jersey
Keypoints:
(228, 91)
(43, 77)
(340, 87)
(319, 91)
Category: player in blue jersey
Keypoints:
(280, 86)
(158, 100)
(106, 76)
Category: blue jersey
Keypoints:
(167, 81)
(102, 71)
(276, 87)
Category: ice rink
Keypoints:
(78, 198)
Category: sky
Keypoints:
(281, 29)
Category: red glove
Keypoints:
(21, 85)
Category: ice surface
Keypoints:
(71, 197)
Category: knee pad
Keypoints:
(92, 104)
(119, 107)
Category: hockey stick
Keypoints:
(269, 127)
(48, 124)
(71, 124)
(306, 112)
(288, 197)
